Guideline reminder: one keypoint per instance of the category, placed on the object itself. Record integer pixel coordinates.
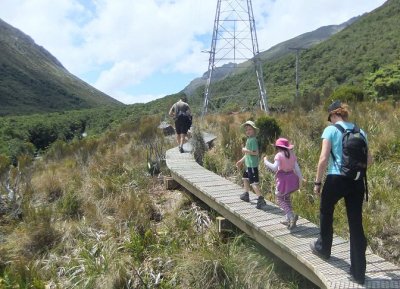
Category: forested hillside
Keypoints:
(305, 40)
(364, 56)
(33, 81)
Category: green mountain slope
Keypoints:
(349, 57)
(305, 40)
(32, 80)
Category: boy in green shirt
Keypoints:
(251, 160)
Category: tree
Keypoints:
(384, 83)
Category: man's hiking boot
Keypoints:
(245, 197)
(261, 203)
(292, 222)
(181, 149)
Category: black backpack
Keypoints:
(354, 154)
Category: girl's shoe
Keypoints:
(292, 222)
(285, 223)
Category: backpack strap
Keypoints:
(342, 130)
(366, 187)
(339, 127)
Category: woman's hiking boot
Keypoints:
(245, 197)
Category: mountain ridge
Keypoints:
(305, 40)
(364, 57)
(32, 80)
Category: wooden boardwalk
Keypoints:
(264, 226)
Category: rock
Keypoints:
(166, 128)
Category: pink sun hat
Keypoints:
(283, 143)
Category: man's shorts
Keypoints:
(182, 126)
(251, 174)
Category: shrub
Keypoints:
(348, 94)
(231, 139)
(41, 234)
(384, 83)
(57, 150)
(269, 131)
(70, 205)
(4, 164)
(148, 129)
(21, 274)
(199, 146)
(140, 243)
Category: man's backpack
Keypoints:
(354, 154)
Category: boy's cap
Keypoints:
(333, 106)
(250, 123)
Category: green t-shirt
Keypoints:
(251, 161)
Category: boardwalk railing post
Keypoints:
(170, 183)
(224, 225)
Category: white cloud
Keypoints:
(290, 18)
(122, 43)
(128, 98)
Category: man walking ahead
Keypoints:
(180, 111)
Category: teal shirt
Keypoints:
(251, 161)
(334, 136)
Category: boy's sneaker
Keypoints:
(261, 203)
(245, 197)
(292, 222)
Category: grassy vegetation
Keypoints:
(87, 215)
(380, 120)
(33, 134)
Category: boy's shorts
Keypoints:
(251, 174)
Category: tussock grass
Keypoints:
(381, 214)
(92, 217)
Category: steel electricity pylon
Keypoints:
(234, 43)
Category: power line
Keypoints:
(298, 50)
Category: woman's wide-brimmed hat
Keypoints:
(283, 143)
(250, 123)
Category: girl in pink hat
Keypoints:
(288, 177)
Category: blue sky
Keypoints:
(140, 50)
